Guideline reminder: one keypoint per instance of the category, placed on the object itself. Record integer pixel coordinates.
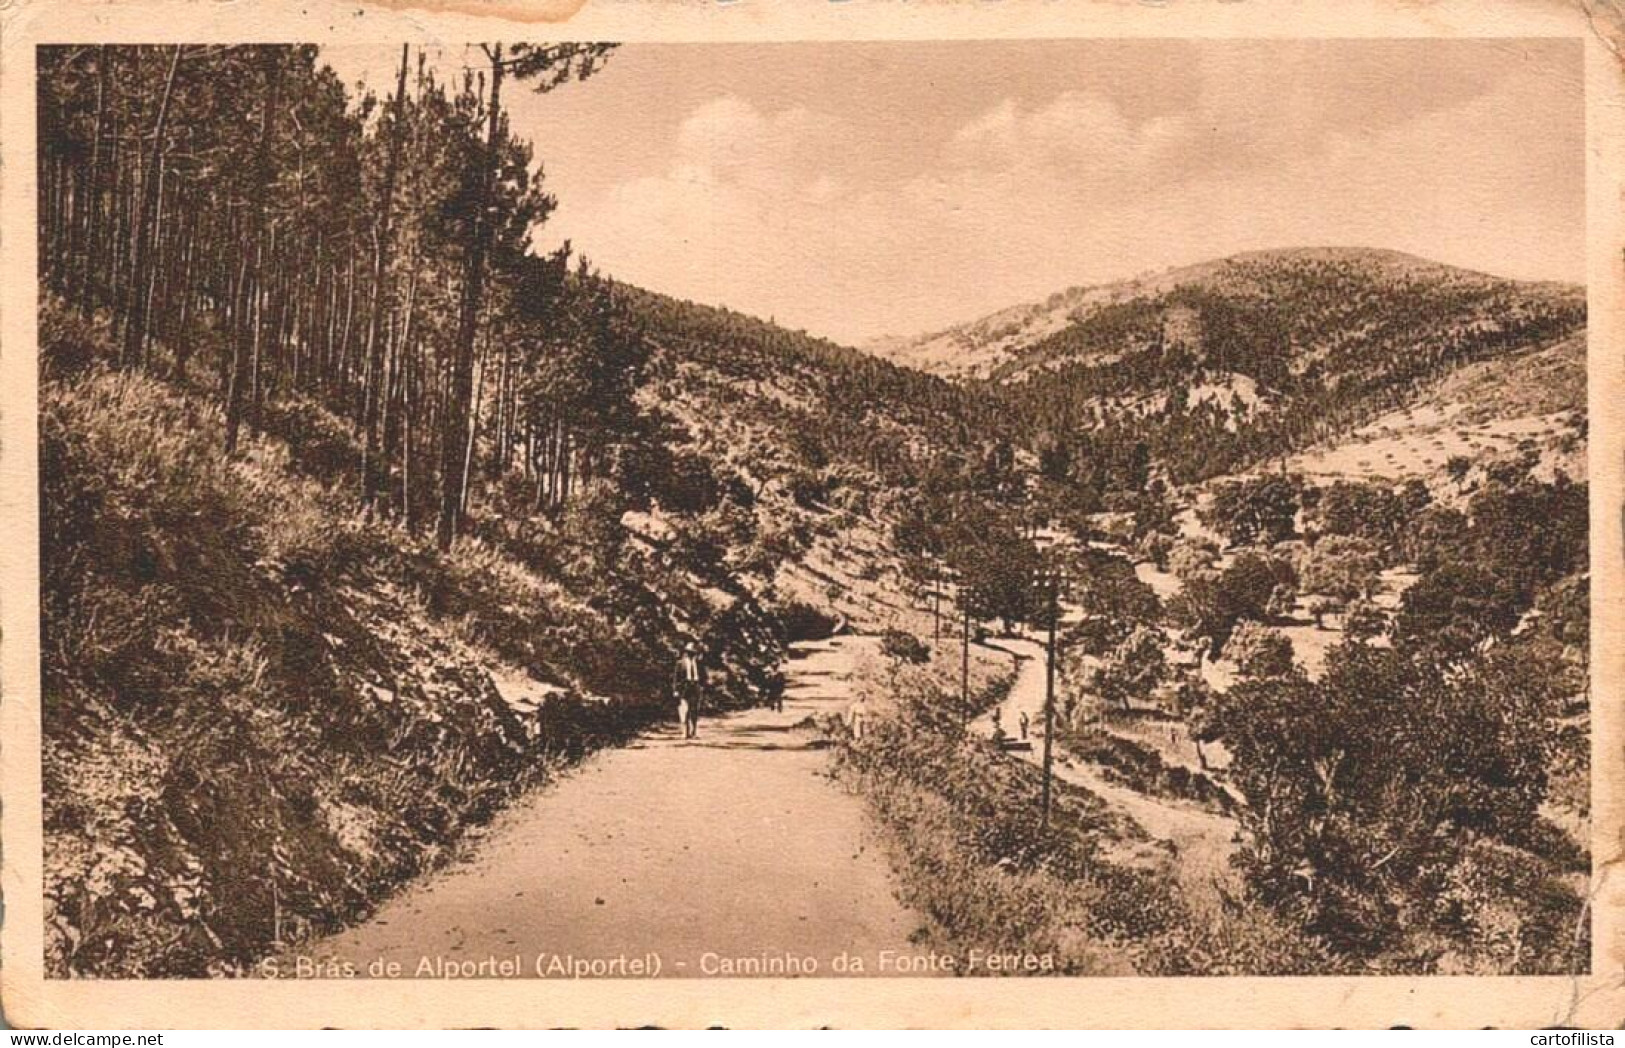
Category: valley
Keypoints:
(373, 576)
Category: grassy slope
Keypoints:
(263, 711)
(254, 721)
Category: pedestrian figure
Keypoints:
(998, 725)
(689, 684)
(855, 715)
(1025, 723)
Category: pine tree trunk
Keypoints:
(370, 482)
(462, 377)
(248, 342)
(135, 329)
(93, 210)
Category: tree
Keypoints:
(1361, 787)
(1112, 599)
(996, 573)
(549, 66)
(1257, 510)
(1260, 652)
(1339, 569)
(1456, 606)
(247, 300)
(1192, 557)
(1211, 606)
(140, 285)
(1359, 509)
(1321, 607)
(382, 253)
(1134, 669)
(1364, 620)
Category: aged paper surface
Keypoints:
(1146, 522)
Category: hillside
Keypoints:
(382, 695)
(1236, 361)
(825, 442)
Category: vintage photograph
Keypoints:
(572, 509)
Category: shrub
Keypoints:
(70, 344)
(903, 647)
(1364, 787)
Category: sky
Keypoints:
(866, 189)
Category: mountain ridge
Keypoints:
(980, 348)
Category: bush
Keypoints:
(69, 344)
(1260, 652)
(1365, 787)
(903, 647)
(801, 621)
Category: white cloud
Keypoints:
(774, 211)
(1080, 134)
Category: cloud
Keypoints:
(1077, 133)
(728, 140)
(822, 220)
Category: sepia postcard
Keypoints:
(871, 514)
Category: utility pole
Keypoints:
(964, 662)
(936, 603)
(1049, 580)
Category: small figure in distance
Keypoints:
(688, 681)
(857, 715)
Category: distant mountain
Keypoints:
(974, 350)
(1015, 339)
(1218, 366)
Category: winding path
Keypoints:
(732, 846)
(1202, 841)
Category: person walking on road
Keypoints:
(689, 684)
(857, 715)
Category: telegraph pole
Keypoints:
(964, 663)
(936, 603)
(1049, 694)
(1049, 579)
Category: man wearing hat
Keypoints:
(689, 684)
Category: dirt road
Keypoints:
(731, 849)
(1203, 841)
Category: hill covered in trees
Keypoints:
(1225, 365)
